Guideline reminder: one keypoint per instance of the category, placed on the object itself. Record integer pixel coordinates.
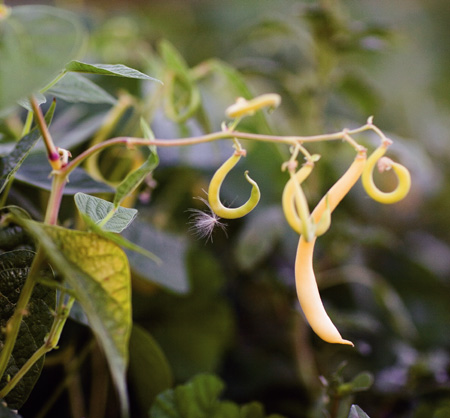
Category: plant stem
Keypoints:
(27, 126)
(179, 142)
(54, 202)
(52, 151)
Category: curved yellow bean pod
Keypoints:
(244, 107)
(214, 191)
(403, 177)
(288, 199)
(307, 290)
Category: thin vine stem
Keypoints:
(227, 134)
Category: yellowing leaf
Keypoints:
(99, 274)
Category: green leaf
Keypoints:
(9, 164)
(35, 44)
(357, 412)
(98, 209)
(14, 268)
(74, 88)
(98, 272)
(119, 240)
(363, 381)
(182, 94)
(35, 171)
(199, 398)
(195, 399)
(39, 97)
(171, 273)
(172, 58)
(149, 371)
(132, 180)
(117, 70)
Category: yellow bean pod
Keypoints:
(307, 290)
(244, 107)
(403, 177)
(290, 192)
(214, 191)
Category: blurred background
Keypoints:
(384, 271)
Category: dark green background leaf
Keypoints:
(14, 268)
(35, 171)
(171, 249)
(149, 371)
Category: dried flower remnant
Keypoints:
(203, 223)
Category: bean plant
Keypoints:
(53, 270)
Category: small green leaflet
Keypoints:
(117, 70)
(95, 210)
(104, 213)
(132, 180)
(199, 398)
(357, 412)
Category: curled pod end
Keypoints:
(384, 164)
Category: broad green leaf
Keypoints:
(357, 412)
(149, 371)
(118, 239)
(35, 171)
(35, 44)
(14, 268)
(9, 164)
(132, 181)
(199, 398)
(74, 88)
(98, 209)
(97, 270)
(117, 70)
(171, 273)
(39, 97)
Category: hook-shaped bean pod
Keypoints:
(307, 290)
(214, 190)
(384, 163)
(293, 199)
(244, 107)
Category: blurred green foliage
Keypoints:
(229, 306)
